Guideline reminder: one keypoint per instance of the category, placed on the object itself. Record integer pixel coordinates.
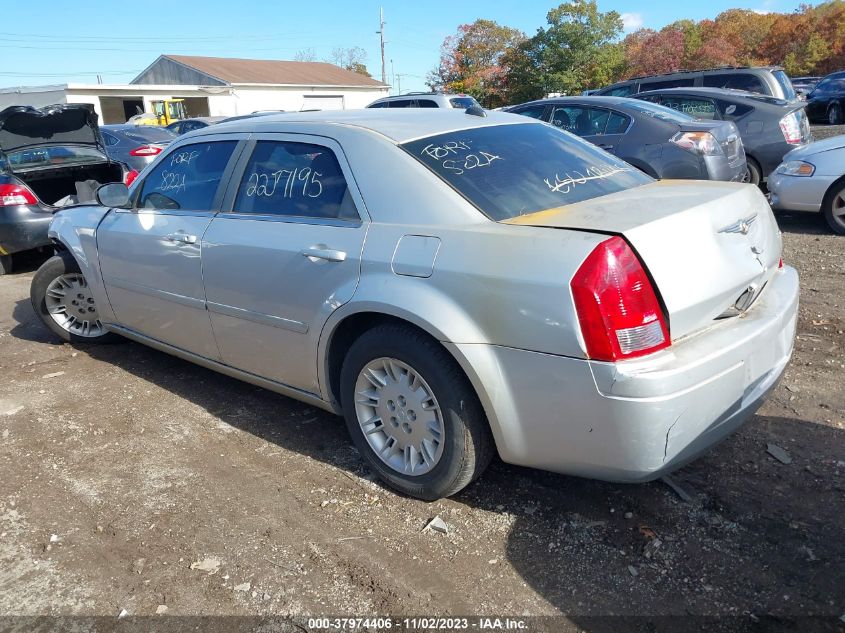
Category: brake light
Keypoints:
(11, 195)
(698, 143)
(617, 307)
(790, 125)
(145, 150)
(780, 263)
(130, 177)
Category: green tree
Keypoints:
(578, 50)
(473, 61)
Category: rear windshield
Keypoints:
(659, 112)
(786, 84)
(54, 156)
(512, 170)
(463, 102)
(150, 134)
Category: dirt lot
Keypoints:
(122, 470)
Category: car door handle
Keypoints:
(321, 252)
(182, 238)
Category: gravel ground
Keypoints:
(131, 480)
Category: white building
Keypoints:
(214, 86)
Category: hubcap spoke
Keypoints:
(71, 305)
(399, 416)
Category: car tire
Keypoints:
(753, 173)
(5, 264)
(57, 280)
(833, 207)
(449, 443)
(834, 114)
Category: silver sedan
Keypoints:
(812, 178)
(454, 284)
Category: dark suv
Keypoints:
(767, 80)
(826, 103)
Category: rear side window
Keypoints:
(580, 120)
(685, 82)
(426, 103)
(619, 91)
(152, 134)
(617, 123)
(108, 139)
(785, 84)
(380, 104)
(738, 81)
(187, 178)
(512, 170)
(401, 103)
(294, 179)
(732, 111)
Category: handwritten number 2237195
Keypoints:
(267, 184)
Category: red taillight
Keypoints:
(790, 126)
(145, 150)
(11, 195)
(617, 308)
(780, 263)
(130, 177)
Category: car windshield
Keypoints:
(785, 84)
(150, 134)
(463, 102)
(54, 155)
(659, 112)
(512, 170)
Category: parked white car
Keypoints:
(812, 178)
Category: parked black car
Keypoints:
(804, 85)
(826, 103)
(135, 145)
(44, 153)
(766, 80)
(662, 142)
(769, 127)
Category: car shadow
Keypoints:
(752, 536)
(805, 222)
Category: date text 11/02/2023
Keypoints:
(421, 623)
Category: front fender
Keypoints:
(75, 228)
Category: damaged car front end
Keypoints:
(49, 157)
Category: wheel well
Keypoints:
(831, 190)
(347, 332)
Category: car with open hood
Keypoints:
(48, 158)
(455, 284)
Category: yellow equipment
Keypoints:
(164, 112)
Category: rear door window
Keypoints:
(617, 123)
(294, 179)
(187, 178)
(427, 103)
(580, 120)
(684, 82)
(512, 170)
(535, 112)
(402, 103)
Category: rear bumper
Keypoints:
(636, 420)
(718, 168)
(23, 227)
(798, 193)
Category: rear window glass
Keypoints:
(463, 102)
(658, 111)
(512, 170)
(151, 134)
(785, 84)
(54, 155)
(736, 81)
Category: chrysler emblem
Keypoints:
(740, 226)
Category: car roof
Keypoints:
(399, 125)
(592, 99)
(718, 69)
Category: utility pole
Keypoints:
(392, 74)
(380, 33)
(399, 83)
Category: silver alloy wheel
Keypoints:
(399, 416)
(837, 207)
(71, 305)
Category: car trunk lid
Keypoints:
(709, 247)
(23, 127)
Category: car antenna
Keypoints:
(475, 110)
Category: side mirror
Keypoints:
(114, 194)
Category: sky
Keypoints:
(61, 41)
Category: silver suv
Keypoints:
(426, 100)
